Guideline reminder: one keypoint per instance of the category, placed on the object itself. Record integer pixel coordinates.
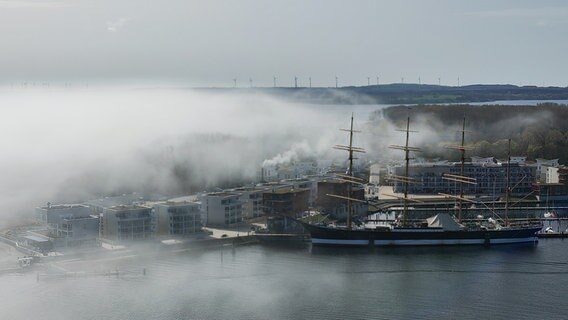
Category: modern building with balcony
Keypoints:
(221, 208)
(547, 170)
(490, 177)
(337, 207)
(69, 225)
(127, 222)
(286, 201)
(251, 199)
(177, 218)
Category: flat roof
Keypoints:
(188, 198)
(333, 180)
(177, 203)
(89, 217)
(222, 194)
(108, 202)
(249, 189)
(124, 199)
(63, 206)
(287, 190)
(128, 207)
(297, 180)
(36, 238)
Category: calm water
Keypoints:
(256, 282)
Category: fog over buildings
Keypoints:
(74, 145)
(92, 100)
(70, 145)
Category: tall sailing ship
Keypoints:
(439, 230)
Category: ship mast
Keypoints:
(461, 178)
(405, 179)
(507, 191)
(407, 163)
(349, 178)
(462, 150)
(350, 173)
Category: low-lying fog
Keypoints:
(72, 145)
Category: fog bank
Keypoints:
(72, 145)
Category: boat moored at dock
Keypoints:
(441, 229)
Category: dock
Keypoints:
(282, 239)
(552, 235)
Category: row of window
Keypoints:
(183, 225)
(185, 218)
(232, 214)
(231, 221)
(183, 210)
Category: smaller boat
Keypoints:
(550, 233)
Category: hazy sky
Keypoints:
(208, 43)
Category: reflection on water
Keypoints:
(255, 282)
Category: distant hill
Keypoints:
(400, 93)
(536, 131)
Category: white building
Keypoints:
(374, 174)
(127, 222)
(372, 188)
(221, 208)
(551, 175)
(518, 159)
(372, 191)
(294, 170)
(177, 218)
(547, 170)
(69, 225)
(251, 200)
(269, 172)
(483, 161)
(287, 171)
(98, 205)
(53, 214)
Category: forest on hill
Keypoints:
(535, 131)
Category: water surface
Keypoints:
(255, 282)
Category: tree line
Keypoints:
(535, 131)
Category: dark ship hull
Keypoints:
(330, 236)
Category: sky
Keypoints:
(210, 43)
